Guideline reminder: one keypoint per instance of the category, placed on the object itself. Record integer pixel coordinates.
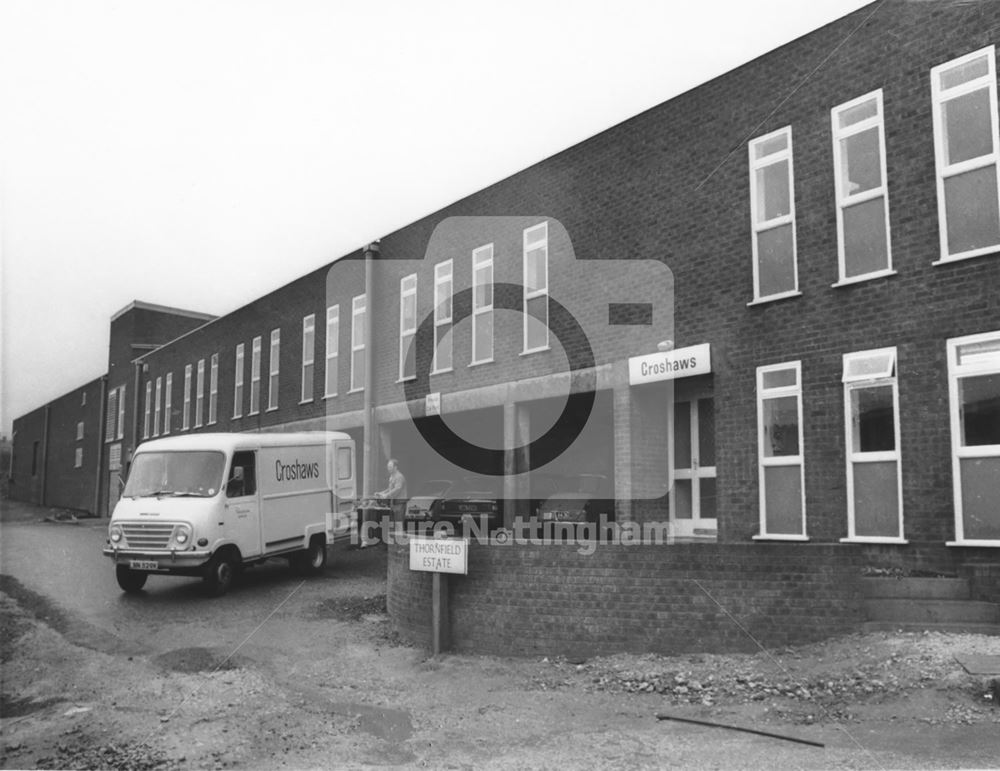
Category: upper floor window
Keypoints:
(238, 381)
(121, 413)
(110, 420)
(79, 430)
(146, 409)
(332, 349)
(156, 409)
(255, 376)
(482, 304)
(78, 457)
(859, 180)
(442, 317)
(358, 310)
(168, 387)
(772, 215)
(199, 395)
(536, 288)
(213, 389)
(308, 356)
(83, 399)
(964, 93)
(186, 413)
(407, 327)
(274, 361)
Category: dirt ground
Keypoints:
(334, 688)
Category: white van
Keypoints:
(209, 504)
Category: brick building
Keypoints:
(777, 294)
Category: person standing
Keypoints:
(396, 491)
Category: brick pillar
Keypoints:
(622, 418)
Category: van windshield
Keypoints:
(185, 473)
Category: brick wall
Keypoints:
(547, 600)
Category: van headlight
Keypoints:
(182, 535)
(115, 533)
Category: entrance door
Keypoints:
(692, 501)
(242, 504)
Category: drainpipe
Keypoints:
(137, 381)
(371, 254)
(98, 471)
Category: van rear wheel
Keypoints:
(221, 573)
(312, 560)
(131, 581)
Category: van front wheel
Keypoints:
(131, 581)
(221, 572)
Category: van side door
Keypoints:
(242, 503)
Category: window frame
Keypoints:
(213, 389)
(851, 383)
(757, 228)
(273, 369)
(120, 433)
(331, 361)
(78, 457)
(199, 395)
(763, 462)
(79, 430)
(186, 415)
(957, 371)
(944, 170)
(239, 365)
(147, 408)
(308, 358)
(156, 406)
(168, 387)
(482, 260)
(359, 308)
(844, 199)
(255, 362)
(110, 424)
(444, 273)
(534, 294)
(407, 289)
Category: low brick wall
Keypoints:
(551, 600)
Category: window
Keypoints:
(772, 215)
(109, 421)
(255, 376)
(199, 395)
(332, 350)
(964, 94)
(167, 402)
(974, 394)
(78, 458)
(274, 360)
(186, 414)
(308, 355)
(871, 409)
(442, 360)
(146, 409)
(156, 410)
(79, 431)
(242, 475)
(358, 307)
(536, 288)
(859, 180)
(213, 389)
(121, 412)
(779, 436)
(407, 327)
(238, 382)
(482, 304)
(83, 399)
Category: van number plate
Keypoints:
(143, 565)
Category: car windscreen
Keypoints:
(196, 473)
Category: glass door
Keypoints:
(692, 500)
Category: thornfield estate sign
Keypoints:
(670, 365)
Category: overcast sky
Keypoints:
(200, 154)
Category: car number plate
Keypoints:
(143, 565)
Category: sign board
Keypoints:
(432, 403)
(670, 365)
(440, 555)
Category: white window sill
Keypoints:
(993, 544)
(356, 390)
(861, 279)
(252, 413)
(271, 409)
(443, 371)
(774, 298)
(873, 539)
(481, 363)
(410, 379)
(329, 396)
(306, 401)
(535, 350)
(968, 255)
(779, 537)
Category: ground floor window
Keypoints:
(871, 409)
(974, 395)
(779, 437)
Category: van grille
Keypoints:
(147, 536)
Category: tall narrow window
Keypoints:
(238, 381)
(536, 288)
(79, 431)
(859, 180)
(274, 361)
(186, 414)
(121, 413)
(443, 273)
(109, 421)
(213, 389)
(772, 215)
(358, 310)
(199, 395)
(482, 304)
(156, 408)
(871, 409)
(964, 93)
(78, 457)
(779, 437)
(168, 388)
(147, 409)
(255, 376)
(332, 350)
(407, 327)
(974, 393)
(308, 356)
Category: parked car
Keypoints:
(458, 502)
(424, 505)
(582, 498)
